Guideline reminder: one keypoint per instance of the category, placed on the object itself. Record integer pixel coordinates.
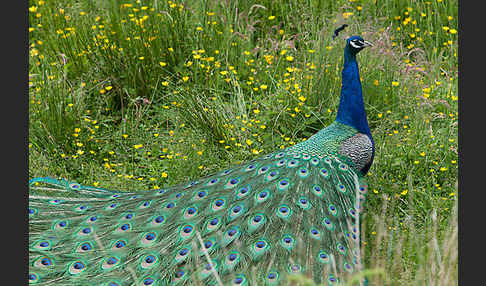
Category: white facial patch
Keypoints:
(356, 44)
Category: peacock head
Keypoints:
(355, 44)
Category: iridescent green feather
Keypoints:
(154, 234)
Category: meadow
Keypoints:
(145, 94)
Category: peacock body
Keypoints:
(292, 211)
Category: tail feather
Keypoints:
(258, 222)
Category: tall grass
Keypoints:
(144, 94)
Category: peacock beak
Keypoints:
(367, 44)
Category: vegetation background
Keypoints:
(145, 94)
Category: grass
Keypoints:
(144, 94)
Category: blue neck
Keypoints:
(351, 107)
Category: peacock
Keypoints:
(293, 211)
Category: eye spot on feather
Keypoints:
(262, 170)
(271, 176)
(119, 244)
(316, 190)
(125, 227)
(324, 173)
(303, 173)
(272, 277)
(315, 234)
(110, 262)
(212, 182)
(80, 208)
(55, 202)
(169, 206)
(304, 203)
(43, 262)
(363, 189)
(341, 188)
(160, 192)
(190, 212)
(213, 224)
(323, 257)
(231, 183)
(179, 274)
(268, 156)
(33, 278)
(144, 205)
(242, 192)
(60, 225)
(111, 206)
(341, 249)
(32, 211)
(236, 209)
(149, 261)
(348, 267)
(157, 221)
(328, 224)
(293, 163)
(259, 248)
(191, 184)
(284, 212)
(148, 239)
(332, 210)
(218, 204)
(332, 280)
(250, 167)
(75, 186)
(183, 252)
(287, 242)
(262, 196)
(280, 163)
(230, 235)
(186, 231)
(128, 216)
(255, 222)
(199, 195)
(148, 281)
(86, 230)
(295, 268)
(283, 184)
(238, 280)
(279, 155)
